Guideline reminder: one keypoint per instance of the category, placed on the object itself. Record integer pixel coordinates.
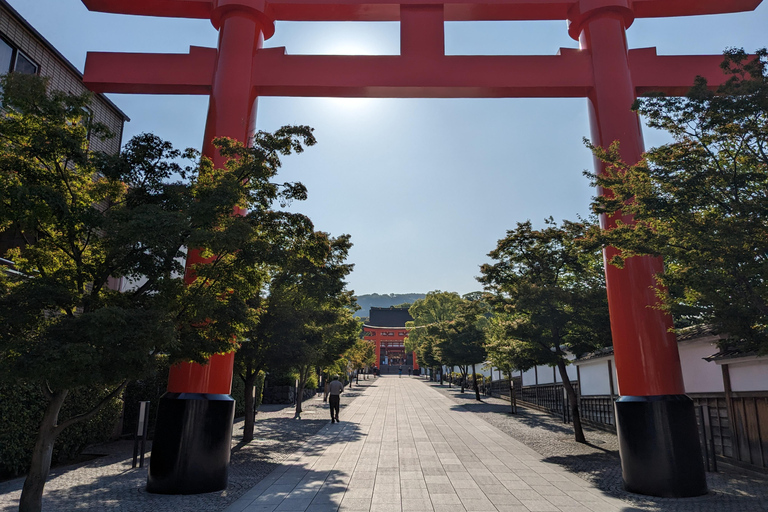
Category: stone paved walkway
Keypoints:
(403, 446)
(730, 490)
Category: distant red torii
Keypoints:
(653, 411)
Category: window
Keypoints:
(13, 59)
(24, 64)
(6, 56)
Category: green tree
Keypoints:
(307, 320)
(89, 218)
(554, 293)
(361, 355)
(506, 353)
(428, 358)
(461, 340)
(701, 202)
(436, 307)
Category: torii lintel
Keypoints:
(386, 10)
(568, 74)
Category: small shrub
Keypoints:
(150, 388)
(21, 409)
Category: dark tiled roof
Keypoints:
(696, 331)
(389, 317)
(603, 352)
(728, 353)
(685, 334)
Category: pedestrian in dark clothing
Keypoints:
(335, 389)
(400, 374)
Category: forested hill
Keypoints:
(366, 302)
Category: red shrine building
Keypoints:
(386, 328)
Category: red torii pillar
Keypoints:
(656, 424)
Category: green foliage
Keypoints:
(426, 354)
(461, 340)
(149, 388)
(90, 217)
(284, 378)
(505, 352)
(548, 294)
(22, 407)
(701, 202)
(238, 393)
(436, 307)
(361, 355)
(306, 312)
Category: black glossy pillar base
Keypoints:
(190, 451)
(659, 446)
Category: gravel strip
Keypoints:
(598, 462)
(108, 483)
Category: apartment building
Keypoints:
(24, 50)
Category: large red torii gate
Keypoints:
(655, 420)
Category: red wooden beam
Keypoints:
(567, 75)
(163, 8)
(151, 73)
(387, 10)
(672, 75)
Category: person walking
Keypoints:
(335, 389)
(400, 375)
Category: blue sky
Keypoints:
(425, 187)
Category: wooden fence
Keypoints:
(743, 439)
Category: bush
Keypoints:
(21, 409)
(151, 388)
(238, 393)
(311, 382)
(282, 379)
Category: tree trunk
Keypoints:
(32, 493)
(512, 397)
(250, 412)
(303, 375)
(463, 378)
(441, 376)
(577, 430)
(474, 381)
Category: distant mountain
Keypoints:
(375, 300)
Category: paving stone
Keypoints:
(404, 444)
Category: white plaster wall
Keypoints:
(570, 370)
(749, 376)
(594, 378)
(546, 375)
(699, 375)
(529, 377)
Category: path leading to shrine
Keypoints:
(404, 446)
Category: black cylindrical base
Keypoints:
(193, 437)
(659, 446)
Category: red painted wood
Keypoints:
(231, 113)
(646, 356)
(386, 10)
(214, 377)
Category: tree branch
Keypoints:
(81, 417)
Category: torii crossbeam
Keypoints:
(655, 420)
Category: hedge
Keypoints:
(21, 410)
